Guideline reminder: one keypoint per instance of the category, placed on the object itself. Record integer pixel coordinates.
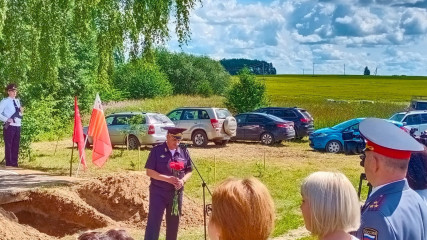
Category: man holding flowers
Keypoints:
(169, 167)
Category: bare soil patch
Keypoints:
(119, 200)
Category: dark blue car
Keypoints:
(267, 129)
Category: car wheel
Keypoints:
(199, 138)
(333, 147)
(267, 138)
(133, 142)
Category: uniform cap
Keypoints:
(387, 139)
(11, 86)
(175, 132)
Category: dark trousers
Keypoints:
(160, 200)
(12, 137)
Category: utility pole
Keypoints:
(313, 68)
(344, 68)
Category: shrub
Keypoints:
(247, 94)
(192, 74)
(139, 79)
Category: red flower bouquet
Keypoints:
(176, 170)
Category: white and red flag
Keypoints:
(78, 134)
(99, 132)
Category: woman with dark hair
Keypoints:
(417, 173)
(113, 234)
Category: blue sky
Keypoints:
(387, 35)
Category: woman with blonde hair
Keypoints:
(330, 206)
(242, 209)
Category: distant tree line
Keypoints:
(233, 66)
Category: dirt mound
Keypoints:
(11, 229)
(57, 212)
(104, 202)
(124, 197)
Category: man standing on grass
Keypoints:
(165, 185)
(393, 211)
(11, 114)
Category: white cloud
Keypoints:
(293, 33)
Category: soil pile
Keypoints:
(103, 202)
(11, 230)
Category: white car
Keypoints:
(412, 119)
(205, 124)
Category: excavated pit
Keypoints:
(104, 202)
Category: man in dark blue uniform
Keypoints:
(392, 210)
(164, 183)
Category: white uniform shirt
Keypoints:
(7, 109)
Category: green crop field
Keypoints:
(333, 98)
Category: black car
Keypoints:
(304, 123)
(263, 127)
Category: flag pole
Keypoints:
(80, 158)
(71, 160)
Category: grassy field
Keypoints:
(389, 94)
(285, 165)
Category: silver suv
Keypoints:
(412, 119)
(205, 124)
(138, 128)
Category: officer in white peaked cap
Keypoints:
(392, 210)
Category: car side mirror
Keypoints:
(404, 123)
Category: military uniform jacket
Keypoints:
(394, 212)
(159, 160)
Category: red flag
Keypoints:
(99, 132)
(78, 134)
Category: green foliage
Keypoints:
(247, 94)
(37, 120)
(138, 79)
(233, 66)
(193, 75)
(60, 49)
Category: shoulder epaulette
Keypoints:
(376, 204)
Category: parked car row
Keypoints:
(205, 124)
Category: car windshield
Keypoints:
(222, 113)
(159, 118)
(345, 124)
(397, 117)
